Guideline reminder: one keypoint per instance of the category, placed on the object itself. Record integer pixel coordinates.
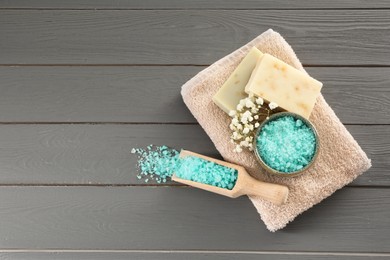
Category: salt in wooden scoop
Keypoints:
(245, 184)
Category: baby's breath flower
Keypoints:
(259, 101)
(232, 113)
(249, 103)
(247, 113)
(246, 119)
(244, 143)
(272, 105)
(238, 149)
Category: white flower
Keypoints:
(238, 149)
(259, 101)
(247, 114)
(272, 105)
(249, 103)
(243, 143)
(245, 120)
(232, 113)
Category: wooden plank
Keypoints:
(86, 154)
(200, 4)
(166, 218)
(346, 89)
(100, 154)
(179, 255)
(152, 94)
(322, 37)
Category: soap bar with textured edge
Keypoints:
(233, 90)
(276, 81)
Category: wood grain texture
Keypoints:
(200, 4)
(152, 94)
(86, 154)
(180, 218)
(323, 37)
(179, 255)
(100, 154)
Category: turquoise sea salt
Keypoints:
(286, 144)
(199, 170)
(160, 162)
(156, 162)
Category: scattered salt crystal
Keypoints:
(156, 162)
(160, 162)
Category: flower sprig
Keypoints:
(249, 113)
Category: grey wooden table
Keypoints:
(82, 82)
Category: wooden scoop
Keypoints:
(245, 184)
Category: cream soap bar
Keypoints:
(233, 90)
(291, 89)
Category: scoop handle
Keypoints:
(274, 193)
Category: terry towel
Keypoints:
(340, 159)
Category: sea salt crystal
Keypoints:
(286, 144)
(199, 170)
(160, 162)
